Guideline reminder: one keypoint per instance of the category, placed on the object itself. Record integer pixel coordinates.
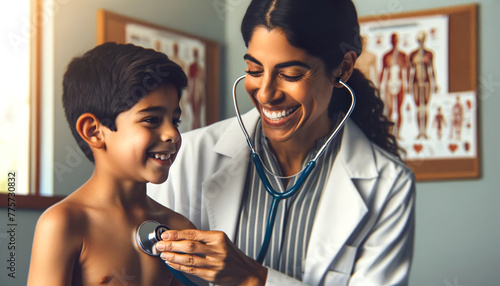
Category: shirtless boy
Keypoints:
(122, 105)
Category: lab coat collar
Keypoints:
(224, 189)
(233, 140)
(357, 154)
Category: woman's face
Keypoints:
(289, 87)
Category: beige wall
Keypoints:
(457, 221)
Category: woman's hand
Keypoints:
(211, 256)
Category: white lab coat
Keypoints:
(364, 225)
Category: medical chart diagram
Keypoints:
(407, 60)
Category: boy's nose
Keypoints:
(170, 134)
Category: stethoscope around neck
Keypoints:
(304, 173)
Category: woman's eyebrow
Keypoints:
(252, 59)
(280, 65)
(292, 64)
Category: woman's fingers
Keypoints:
(193, 234)
(193, 241)
(206, 268)
(204, 273)
(189, 260)
(184, 246)
(209, 255)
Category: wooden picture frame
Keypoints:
(443, 141)
(200, 101)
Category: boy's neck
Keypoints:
(113, 191)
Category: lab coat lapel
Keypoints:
(341, 207)
(224, 189)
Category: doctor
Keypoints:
(352, 221)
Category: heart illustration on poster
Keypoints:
(453, 147)
(418, 147)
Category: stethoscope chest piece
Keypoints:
(148, 234)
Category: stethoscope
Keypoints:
(304, 173)
(147, 235)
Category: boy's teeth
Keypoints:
(161, 156)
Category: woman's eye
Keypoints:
(253, 73)
(291, 78)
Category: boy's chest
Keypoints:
(110, 257)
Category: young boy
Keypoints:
(122, 104)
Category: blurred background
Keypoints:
(457, 221)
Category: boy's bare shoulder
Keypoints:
(172, 219)
(66, 217)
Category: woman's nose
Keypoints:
(267, 92)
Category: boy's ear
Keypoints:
(90, 129)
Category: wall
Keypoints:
(72, 32)
(457, 221)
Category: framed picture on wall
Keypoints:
(424, 65)
(198, 57)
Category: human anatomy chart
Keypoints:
(407, 59)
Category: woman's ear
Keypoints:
(345, 69)
(90, 129)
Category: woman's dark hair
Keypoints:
(327, 29)
(110, 79)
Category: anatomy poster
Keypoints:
(407, 59)
(187, 52)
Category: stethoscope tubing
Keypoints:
(304, 173)
(277, 197)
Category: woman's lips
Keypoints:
(278, 117)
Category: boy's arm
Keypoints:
(56, 246)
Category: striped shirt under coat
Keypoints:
(295, 215)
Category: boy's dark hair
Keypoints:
(110, 79)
